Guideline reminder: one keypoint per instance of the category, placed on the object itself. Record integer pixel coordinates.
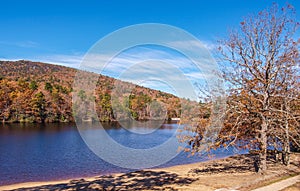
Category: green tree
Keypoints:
(82, 95)
(39, 106)
(33, 85)
(48, 86)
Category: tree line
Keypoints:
(39, 92)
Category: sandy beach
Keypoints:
(232, 173)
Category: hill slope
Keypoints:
(39, 92)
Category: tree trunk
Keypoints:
(276, 156)
(286, 151)
(263, 149)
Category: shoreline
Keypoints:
(232, 173)
(175, 168)
(50, 182)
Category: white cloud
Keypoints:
(151, 68)
(22, 44)
(72, 61)
(27, 44)
(147, 66)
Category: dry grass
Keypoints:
(295, 187)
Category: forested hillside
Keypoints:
(39, 92)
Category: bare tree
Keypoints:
(261, 63)
(286, 108)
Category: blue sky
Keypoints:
(57, 30)
(61, 32)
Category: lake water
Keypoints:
(43, 152)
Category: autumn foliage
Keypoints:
(260, 66)
(39, 92)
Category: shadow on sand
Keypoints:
(139, 180)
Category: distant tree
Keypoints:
(82, 95)
(286, 109)
(39, 106)
(156, 110)
(48, 86)
(105, 106)
(5, 100)
(33, 85)
(22, 84)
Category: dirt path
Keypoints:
(280, 185)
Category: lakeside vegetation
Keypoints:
(40, 92)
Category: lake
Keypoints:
(44, 152)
